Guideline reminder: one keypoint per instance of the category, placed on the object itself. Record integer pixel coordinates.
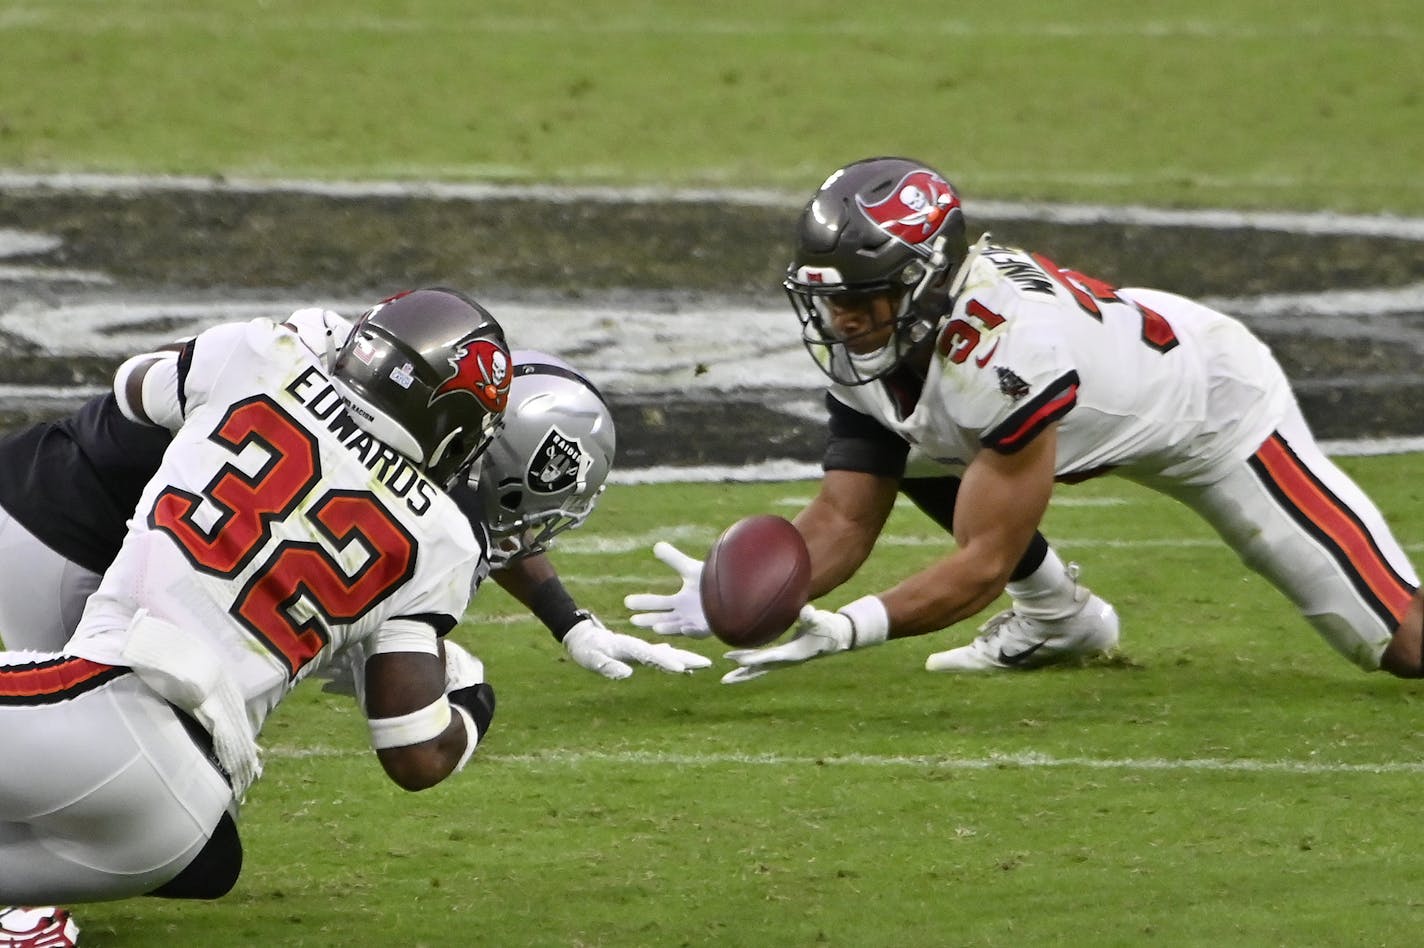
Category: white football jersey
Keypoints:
(275, 531)
(1140, 381)
(323, 331)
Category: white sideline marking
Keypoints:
(19, 243)
(15, 274)
(1027, 761)
(1308, 222)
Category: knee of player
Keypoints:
(213, 872)
(1403, 657)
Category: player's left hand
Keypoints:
(818, 632)
(678, 614)
(607, 652)
(461, 668)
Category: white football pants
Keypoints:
(42, 594)
(1294, 517)
(103, 794)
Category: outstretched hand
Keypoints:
(818, 632)
(606, 652)
(679, 613)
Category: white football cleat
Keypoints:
(1011, 642)
(44, 926)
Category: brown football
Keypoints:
(755, 580)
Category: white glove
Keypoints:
(603, 651)
(818, 632)
(680, 613)
(462, 669)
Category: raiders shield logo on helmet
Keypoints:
(558, 464)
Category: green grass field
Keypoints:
(1226, 779)
(1218, 103)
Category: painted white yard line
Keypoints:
(1027, 761)
(273, 19)
(16, 274)
(1406, 228)
(605, 544)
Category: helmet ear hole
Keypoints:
(914, 272)
(511, 499)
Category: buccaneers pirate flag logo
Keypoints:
(482, 369)
(915, 209)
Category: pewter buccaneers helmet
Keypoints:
(881, 225)
(428, 373)
(546, 468)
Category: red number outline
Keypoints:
(959, 336)
(295, 570)
(1157, 333)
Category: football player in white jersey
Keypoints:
(297, 512)
(1021, 373)
(67, 488)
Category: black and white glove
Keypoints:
(607, 652)
(818, 632)
(470, 696)
(680, 613)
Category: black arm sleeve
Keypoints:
(857, 442)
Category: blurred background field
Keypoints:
(1225, 780)
(1218, 103)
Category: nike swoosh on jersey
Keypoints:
(983, 360)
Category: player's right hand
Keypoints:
(607, 653)
(680, 613)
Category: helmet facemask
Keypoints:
(516, 532)
(918, 294)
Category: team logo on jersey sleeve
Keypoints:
(482, 369)
(1010, 384)
(916, 208)
(558, 464)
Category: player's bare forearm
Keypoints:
(521, 577)
(952, 589)
(1001, 501)
(841, 524)
(422, 766)
(400, 685)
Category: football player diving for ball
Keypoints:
(1018, 373)
(67, 488)
(299, 510)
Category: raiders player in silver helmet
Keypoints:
(542, 476)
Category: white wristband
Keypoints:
(870, 623)
(472, 737)
(417, 727)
